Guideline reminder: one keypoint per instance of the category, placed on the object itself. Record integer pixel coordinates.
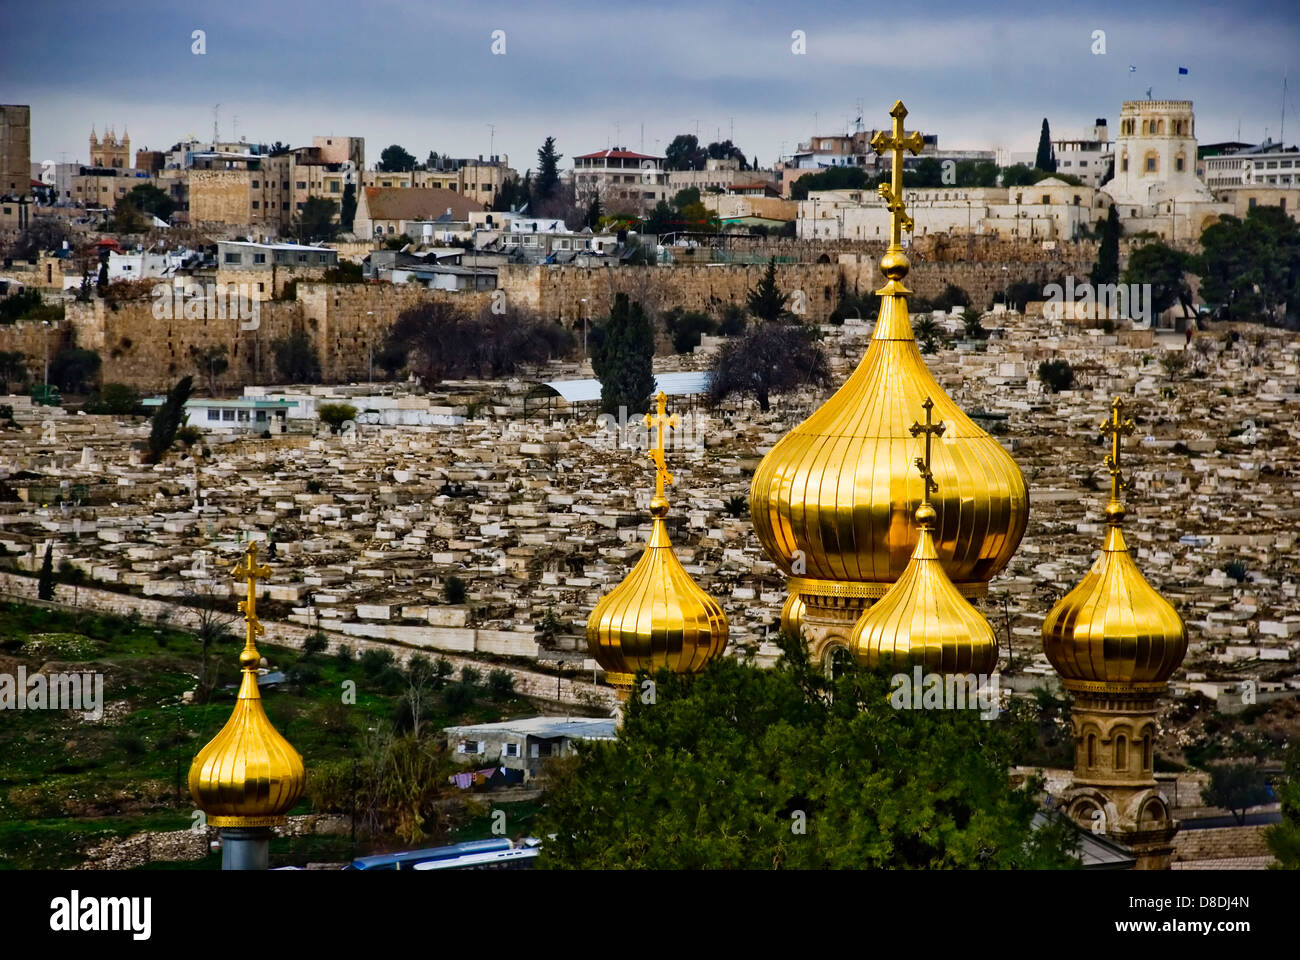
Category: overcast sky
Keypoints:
(594, 74)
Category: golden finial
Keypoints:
(925, 512)
(894, 264)
(1115, 428)
(661, 421)
(249, 570)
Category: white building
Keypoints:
(1087, 158)
(1155, 186)
(1269, 164)
(625, 181)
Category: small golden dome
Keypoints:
(1113, 632)
(658, 616)
(922, 620)
(836, 495)
(248, 775)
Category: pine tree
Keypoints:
(766, 301)
(548, 172)
(622, 359)
(1106, 269)
(1046, 160)
(45, 583)
(348, 209)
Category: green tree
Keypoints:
(1284, 838)
(623, 357)
(1019, 175)
(334, 415)
(151, 200)
(1236, 787)
(45, 580)
(1057, 375)
(1163, 267)
(395, 159)
(74, 369)
(548, 173)
(684, 153)
(832, 178)
(686, 327)
(977, 173)
(348, 210)
(296, 358)
(766, 301)
(316, 220)
(686, 197)
(1250, 267)
(743, 767)
(13, 368)
(1106, 269)
(770, 358)
(114, 399)
(974, 329)
(167, 419)
(927, 332)
(1046, 157)
(454, 590)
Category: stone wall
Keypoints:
(1220, 843)
(571, 688)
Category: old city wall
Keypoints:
(30, 337)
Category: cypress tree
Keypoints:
(1045, 160)
(1106, 269)
(622, 360)
(766, 301)
(45, 583)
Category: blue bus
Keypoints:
(499, 854)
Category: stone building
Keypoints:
(15, 149)
(110, 152)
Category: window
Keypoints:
(298, 205)
(261, 415)
(214, 414)
(286, 184)
(1252, 203)
(1151, 164)
(256, 204)
(256, 184)
(301, 185)
(1092, 750)
(243, 416)
(1179, 164)
(387, 183)
(1121, 753)
(510, 750)
(469, 746)
(259, 258)
(284, 206)
(228, 415)
(1123, 164)
(1083, 163)
(302, 257)
(1146, 752)
(234, 258)
(1047, 198)
(334, 186)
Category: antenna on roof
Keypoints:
(215, 137)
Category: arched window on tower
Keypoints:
(1092, 750)
(1121, 753)
(1146, 753)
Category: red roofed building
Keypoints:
(626, 182)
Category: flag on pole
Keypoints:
(1182, 71)
(1132, 69)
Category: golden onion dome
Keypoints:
(658, 616)
(922, 620)
(834, 499)
(1113, 632)
(248, 775)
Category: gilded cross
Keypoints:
(896, 143)
(930, 429)
(1115, 428)
(249, 570)
(662, 421)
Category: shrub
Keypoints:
(316, 643)
(501, 684)
(1236, 570)
(344, 653)
(458, 697)
(470, 676)
(453, 590)
(374, 662)
(1056, 375)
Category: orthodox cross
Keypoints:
(1115, 428)
(249, 570)
(930, 429)
(662, 421)
(896, 143)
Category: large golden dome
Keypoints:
(834, 499)
(1113, 632)
(248, 775)
(658, 616)
(922, 620)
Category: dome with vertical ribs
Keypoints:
(836, 494)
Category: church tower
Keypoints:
(1115, 642)
(833, 503)
(248, 777)
(110, 152)
(1155, 155)
(658, 616)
